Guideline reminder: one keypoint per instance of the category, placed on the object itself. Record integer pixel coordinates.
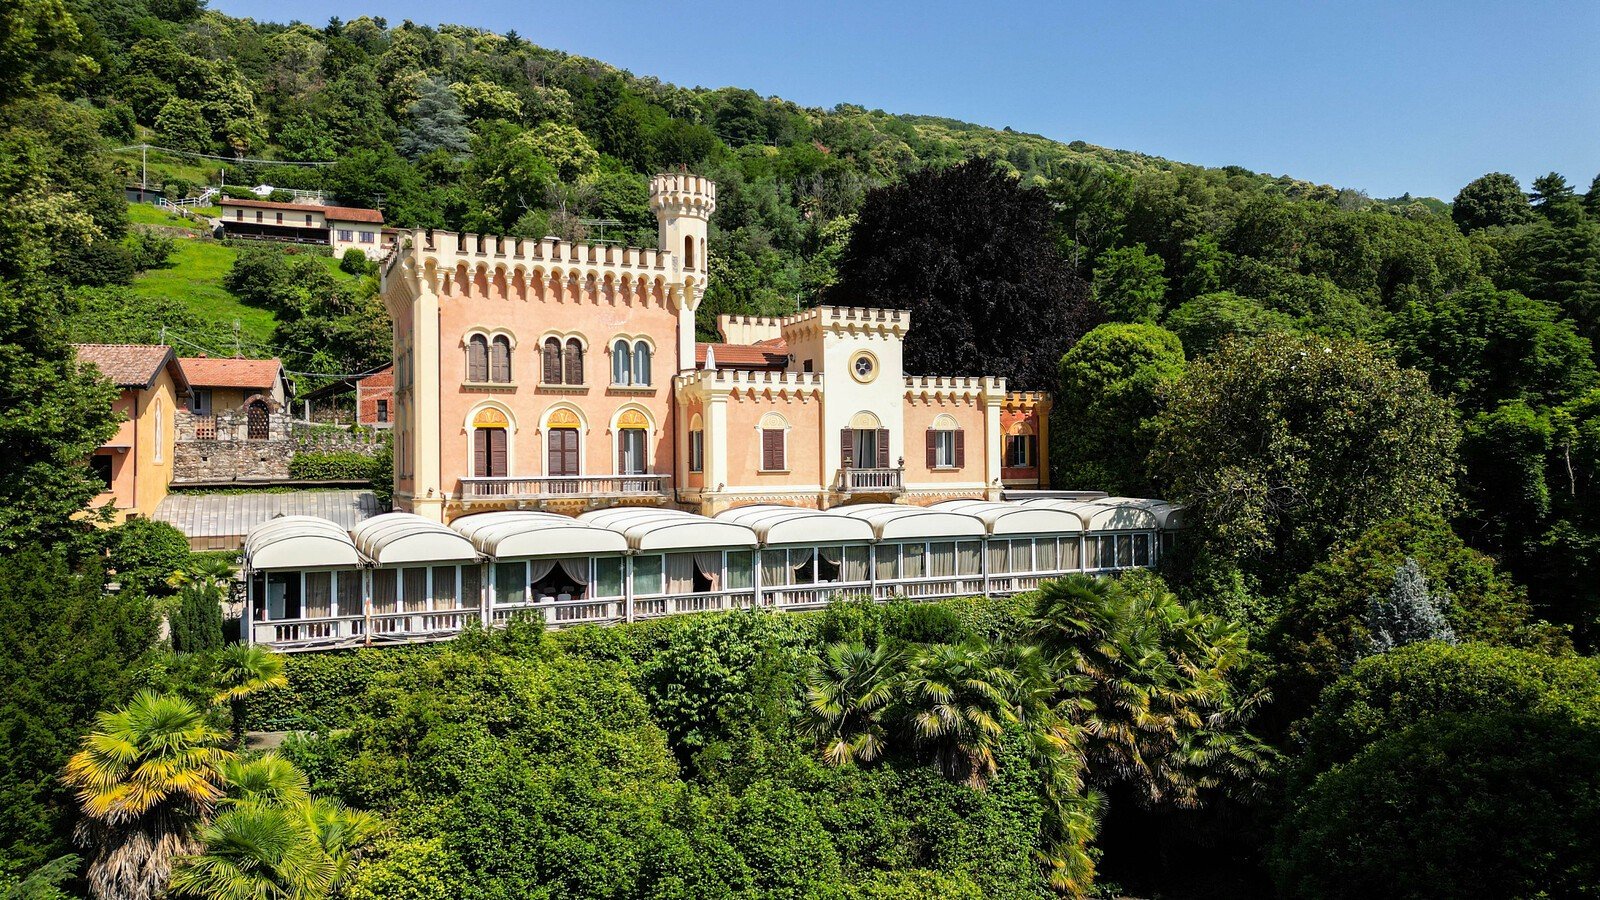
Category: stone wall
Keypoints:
(218, 449)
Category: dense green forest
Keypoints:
(1383, 418)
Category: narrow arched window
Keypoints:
(257, 425)
(500, 360)
(620, 363)
(552, 361)
(477, 359)
(688, 251)
(641, 363)
(574, 361)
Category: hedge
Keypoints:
(344, 465)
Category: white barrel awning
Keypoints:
(1009, 518)
(649, 529)
(785, 525)
(526, 533)
(398, 538)
(893, 522)
(1106, 514)
(299, 542)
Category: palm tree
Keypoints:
(265, 780)
(957, 703)
(206, 572)
(146, 778)
(243, 670)
(846, 695)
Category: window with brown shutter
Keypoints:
(772, 450)
(552, 361)
(961, 448)
(500, 360)
(477, 359)
(489, 452)
(574, 362)
(847, 447)
(883, 448)
(933, 449)
(562, 451)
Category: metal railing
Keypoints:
(873, 480)
(560, 486)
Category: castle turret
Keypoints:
(683, 204)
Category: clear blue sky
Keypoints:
(1386, 97)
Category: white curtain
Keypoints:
(415, 581)
(942, 559)
(709, 562)
(1022, 556)
(855, 564)
(384, 582)
(741, 565)
(319, 595)
(1069, 553)
(888, 561)
(539, 569)
(999, 561)
(774, 568)
(348, 601)
(680, 573)
(577, 568)
(444, 587)
(969, 558)
(911, 561)
(1044, 554)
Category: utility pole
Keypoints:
(144, 170)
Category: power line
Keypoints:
(232, 159)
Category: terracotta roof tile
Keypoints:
(772, 353)
(336, 213)
(126, 365)
(223, 372)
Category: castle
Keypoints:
(550, 375)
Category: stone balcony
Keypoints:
(560, 492)
(871, 482)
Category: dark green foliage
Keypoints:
(968, 251)
(324, 325)
(148, 249)
(1206, 321)
(344, 465)
(1284, 446)
(1495, 805)
(1321, 628)
(356, 262)
(67, 650)
(144, 554)
(1110, 391)
(1495, 199)
(382, 472)
(196, 622)
(1129, 285)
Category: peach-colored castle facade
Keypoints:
(541, 374)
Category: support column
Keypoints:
(1042, 457)
(716, 463)
(994, 394)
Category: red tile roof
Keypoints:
(336, 213)
(769, 354)
(131, 365)
(222, 372)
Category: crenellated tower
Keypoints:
(683, 204)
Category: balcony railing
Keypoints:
(871, 481)
(559, 487)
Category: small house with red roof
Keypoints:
(339, 227)
(136, 464)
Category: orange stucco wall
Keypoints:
(529, 312)
(1009, 418)
(141, 474)
(802, 452)
(919, 418)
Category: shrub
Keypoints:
(355, 262)
(145, 553)
(1497, 805)
(196, 623)
(383, 473)
(344, 465)
(148, 249)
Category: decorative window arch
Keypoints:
(550, 358)
(774, 431)
(572, 362)
(631, 431)
(865, 420)
(621, 362)
(564, 428)
(641, 363)
(491, 441)
(946, 443)
(1021, 446)
(697, 444)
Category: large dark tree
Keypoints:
(1494, 199)
(972, 254)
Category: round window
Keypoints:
(864, 367)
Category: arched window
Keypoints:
(574, 361)
(500, 360)
(477, 359)
(256, 420)
(697, 444)
(160, 429)
(688, 251)
(641, 363)
(946, 444)
(620, 368)
(774, 434)
(490, 429)
(633, 435)
(552, 361)
(1022, 447)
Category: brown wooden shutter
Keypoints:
(552, 451)
(480, 452)
(500, 356)
(847, 447)
(961, 448)
(772, 449)
(622, 452)
(569, 456)
(477, 359)
(552, 361)
(497, 451)
(883, 448)
(574, 362)
(933, 448)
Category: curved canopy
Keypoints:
(1105, 514)
(670, 529)
(893, 522)
(790, 525)
(1004, 518)
(513, 534)
(397, 538)
(299, 542)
